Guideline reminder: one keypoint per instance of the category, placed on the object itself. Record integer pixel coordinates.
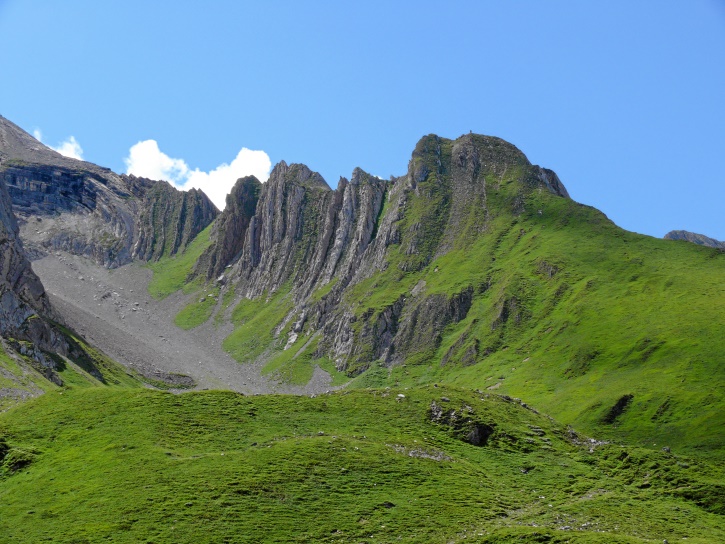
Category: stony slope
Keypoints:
(37, 352)
(56, 204)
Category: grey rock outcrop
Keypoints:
(293, 229)
(699, 239)
(230, 229)
(297, 233)
(79, 207)
(167, 219)
(24, 305)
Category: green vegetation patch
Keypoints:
(255, 322)
(295, 364)
(570, 313)
(396, 465)
(172, 273)
(198, 312)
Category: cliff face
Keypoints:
(76, 206)
(322, 245)
(230, 229)
(24, 305)
(168, 219)
(293, 229)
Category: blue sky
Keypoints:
(625, 100)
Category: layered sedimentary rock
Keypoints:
(79, 207)
(295, 232)
(24, 305)
(168, 219)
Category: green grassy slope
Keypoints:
(357, 466)
(616, 333)
(572, 314)
(171, 272)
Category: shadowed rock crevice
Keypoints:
(618, 409)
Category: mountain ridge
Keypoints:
(459, 306)
(475, 267)
(79, 207)
(460, 270)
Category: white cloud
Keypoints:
(145, 159)
(69, 148)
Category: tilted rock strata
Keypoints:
(24, 305)
(168, 219)
(295, 231)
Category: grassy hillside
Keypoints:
(171, 272)
(573, 314)
(420, 465)
(616, 333)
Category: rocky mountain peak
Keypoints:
(693, 237)
(297, 174)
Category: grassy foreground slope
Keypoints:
(420, 465)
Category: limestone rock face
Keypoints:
(230, 229)
(699, 239)
(168, 219)
(294, 232)
(23, 302)
(75, 206)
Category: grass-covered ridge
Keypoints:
(374, 466)
(572, 314)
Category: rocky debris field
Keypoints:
(113, 310)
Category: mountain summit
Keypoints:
(699, 239)
(461, 306)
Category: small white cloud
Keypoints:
(145, 159)
(69, 148)
(217, 183)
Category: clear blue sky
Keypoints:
(625, 100)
